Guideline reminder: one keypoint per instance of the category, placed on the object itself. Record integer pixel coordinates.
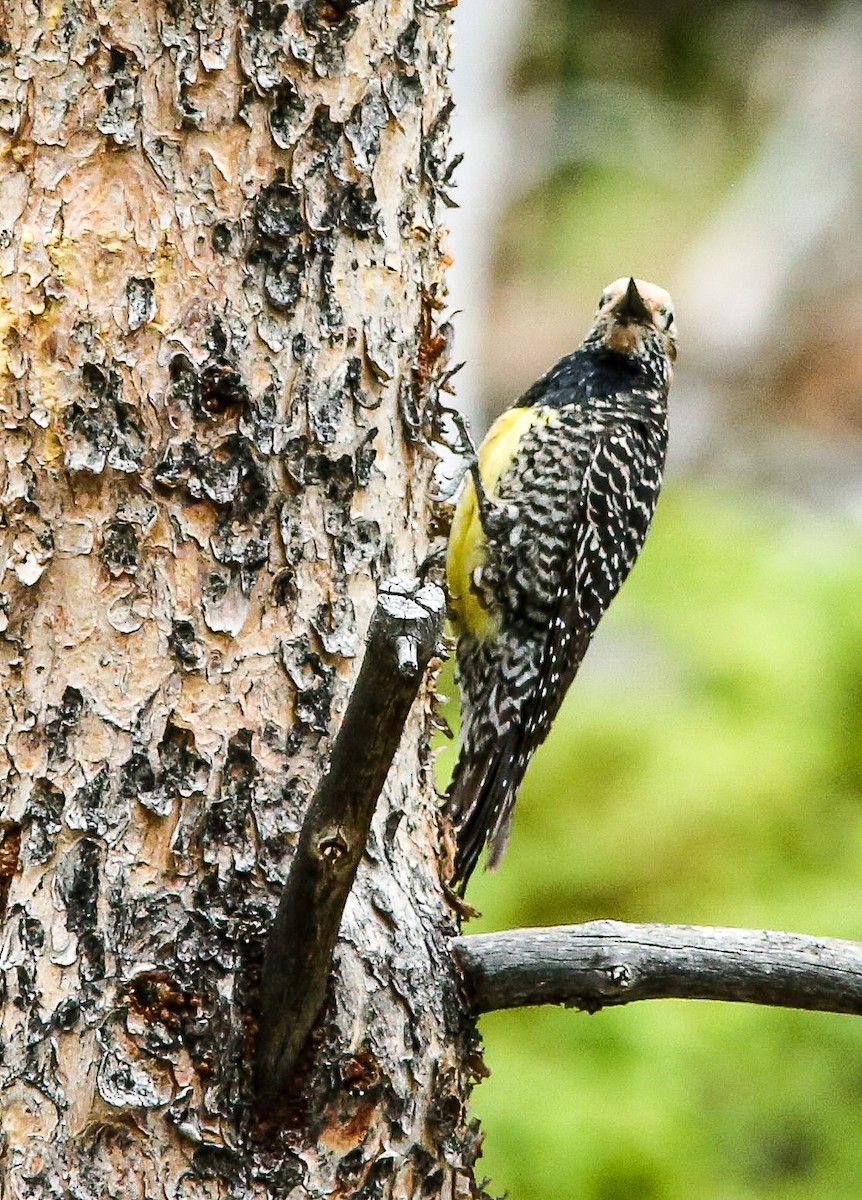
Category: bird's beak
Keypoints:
(631, 308)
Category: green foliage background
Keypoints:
(709, 772)
(707, 764)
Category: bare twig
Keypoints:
(404, 634)
(605, 963)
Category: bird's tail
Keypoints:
(495, 680)
(481, 801)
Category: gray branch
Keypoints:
(404, 634)
(604, 963)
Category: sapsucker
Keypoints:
(544, 534)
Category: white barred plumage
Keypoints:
(570, 477)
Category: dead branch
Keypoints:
(604, 963)
(404, 634)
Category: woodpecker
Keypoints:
(548, 526)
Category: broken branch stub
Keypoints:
(404, 635)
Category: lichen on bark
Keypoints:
(220, 267)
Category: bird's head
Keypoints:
(634, 318)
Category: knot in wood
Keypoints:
(360, 1072)
(333, 11)
(158, 996)
(620, 976)
(10, 848)
(333, 848)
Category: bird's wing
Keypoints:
(467, 548)
(616, 501)
(523, 688)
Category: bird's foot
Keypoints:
(464, 910)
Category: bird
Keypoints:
(552, 516)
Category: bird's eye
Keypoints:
(668, 318)
(602, 300)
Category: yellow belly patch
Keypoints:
(466, 552)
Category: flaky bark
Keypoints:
(221, 262)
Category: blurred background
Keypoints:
(707, 765)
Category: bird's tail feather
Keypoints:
(481, 802)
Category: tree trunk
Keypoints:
(221, 260)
